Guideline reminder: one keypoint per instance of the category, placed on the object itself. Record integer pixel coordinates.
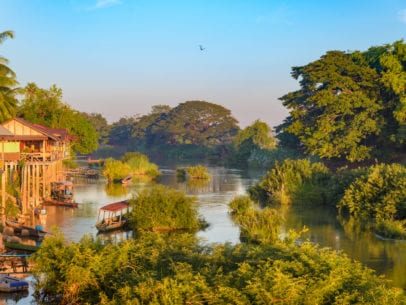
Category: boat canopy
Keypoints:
(116, 206)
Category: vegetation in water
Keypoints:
(177, 269)
(163, 208)
(131, 164)
(298, 181)
(256, 226)
(379, 196)
(197, 172)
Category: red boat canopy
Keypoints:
(116, 206)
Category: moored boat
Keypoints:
(20, 247)
(113, 216)
(33, 232)
(12, 284)
(50, 201)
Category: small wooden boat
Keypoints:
(12, 284)
(112, 216)
(40, 210)
(33, 232)
(126, 180)
(20, 247)
(50, 201)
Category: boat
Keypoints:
(126, 180)
(40, 210)
(50, 201)
(37, 232)
(113, 216)
(12, 284)
(61, 195)
(20, 246)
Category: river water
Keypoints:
(212, 198)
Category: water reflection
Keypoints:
(385, 256)
(212, 200)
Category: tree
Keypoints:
(8, 82)
(335, 113)
(45, 107)
(259, 132)
(100, 124)
(197, 123)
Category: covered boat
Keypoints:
(61, 194)
(113, 216)
(12, 284)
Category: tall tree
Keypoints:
(335, 113)
(8, 83)
(45, 107)
(197, 123)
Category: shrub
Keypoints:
(379, 196)
(198, 172)
(294, 181)
(163, 208)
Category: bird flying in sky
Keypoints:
(201, 47)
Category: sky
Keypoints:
(120, 57)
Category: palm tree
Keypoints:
(8, 82)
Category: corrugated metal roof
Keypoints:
(116, 206)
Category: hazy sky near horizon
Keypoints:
(120, 57)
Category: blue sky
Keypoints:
(120, 57)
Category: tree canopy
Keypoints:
(349, 102)
(45, 107)
(8, 83)
(196, 122)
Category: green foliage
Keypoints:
(132, 163)
(240, 204)
(115, 169)
(260, 158)
(163, 208)
(8, 82)
(252, 139)
(350, 105)
(45, 107)
(100, 124)
(140, 165)
(198, 123)
(176, 269)
(380, 196)
(198, 172)
(256, 226)
(337, 107)
(293, 181)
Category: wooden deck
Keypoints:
(14, 264)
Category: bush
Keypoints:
(163, 208)
(175, 269)
(198, 172)
(293, 181)
(379, 196)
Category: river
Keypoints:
(384, 256)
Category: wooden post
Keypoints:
(3, 196)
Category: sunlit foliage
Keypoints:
(379, 196)
(163, 208)
(176, 269)
(8, 83)
(299, 181)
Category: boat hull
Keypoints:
(54, 202)
(12, 284)
(32, 231)
(20, 247)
